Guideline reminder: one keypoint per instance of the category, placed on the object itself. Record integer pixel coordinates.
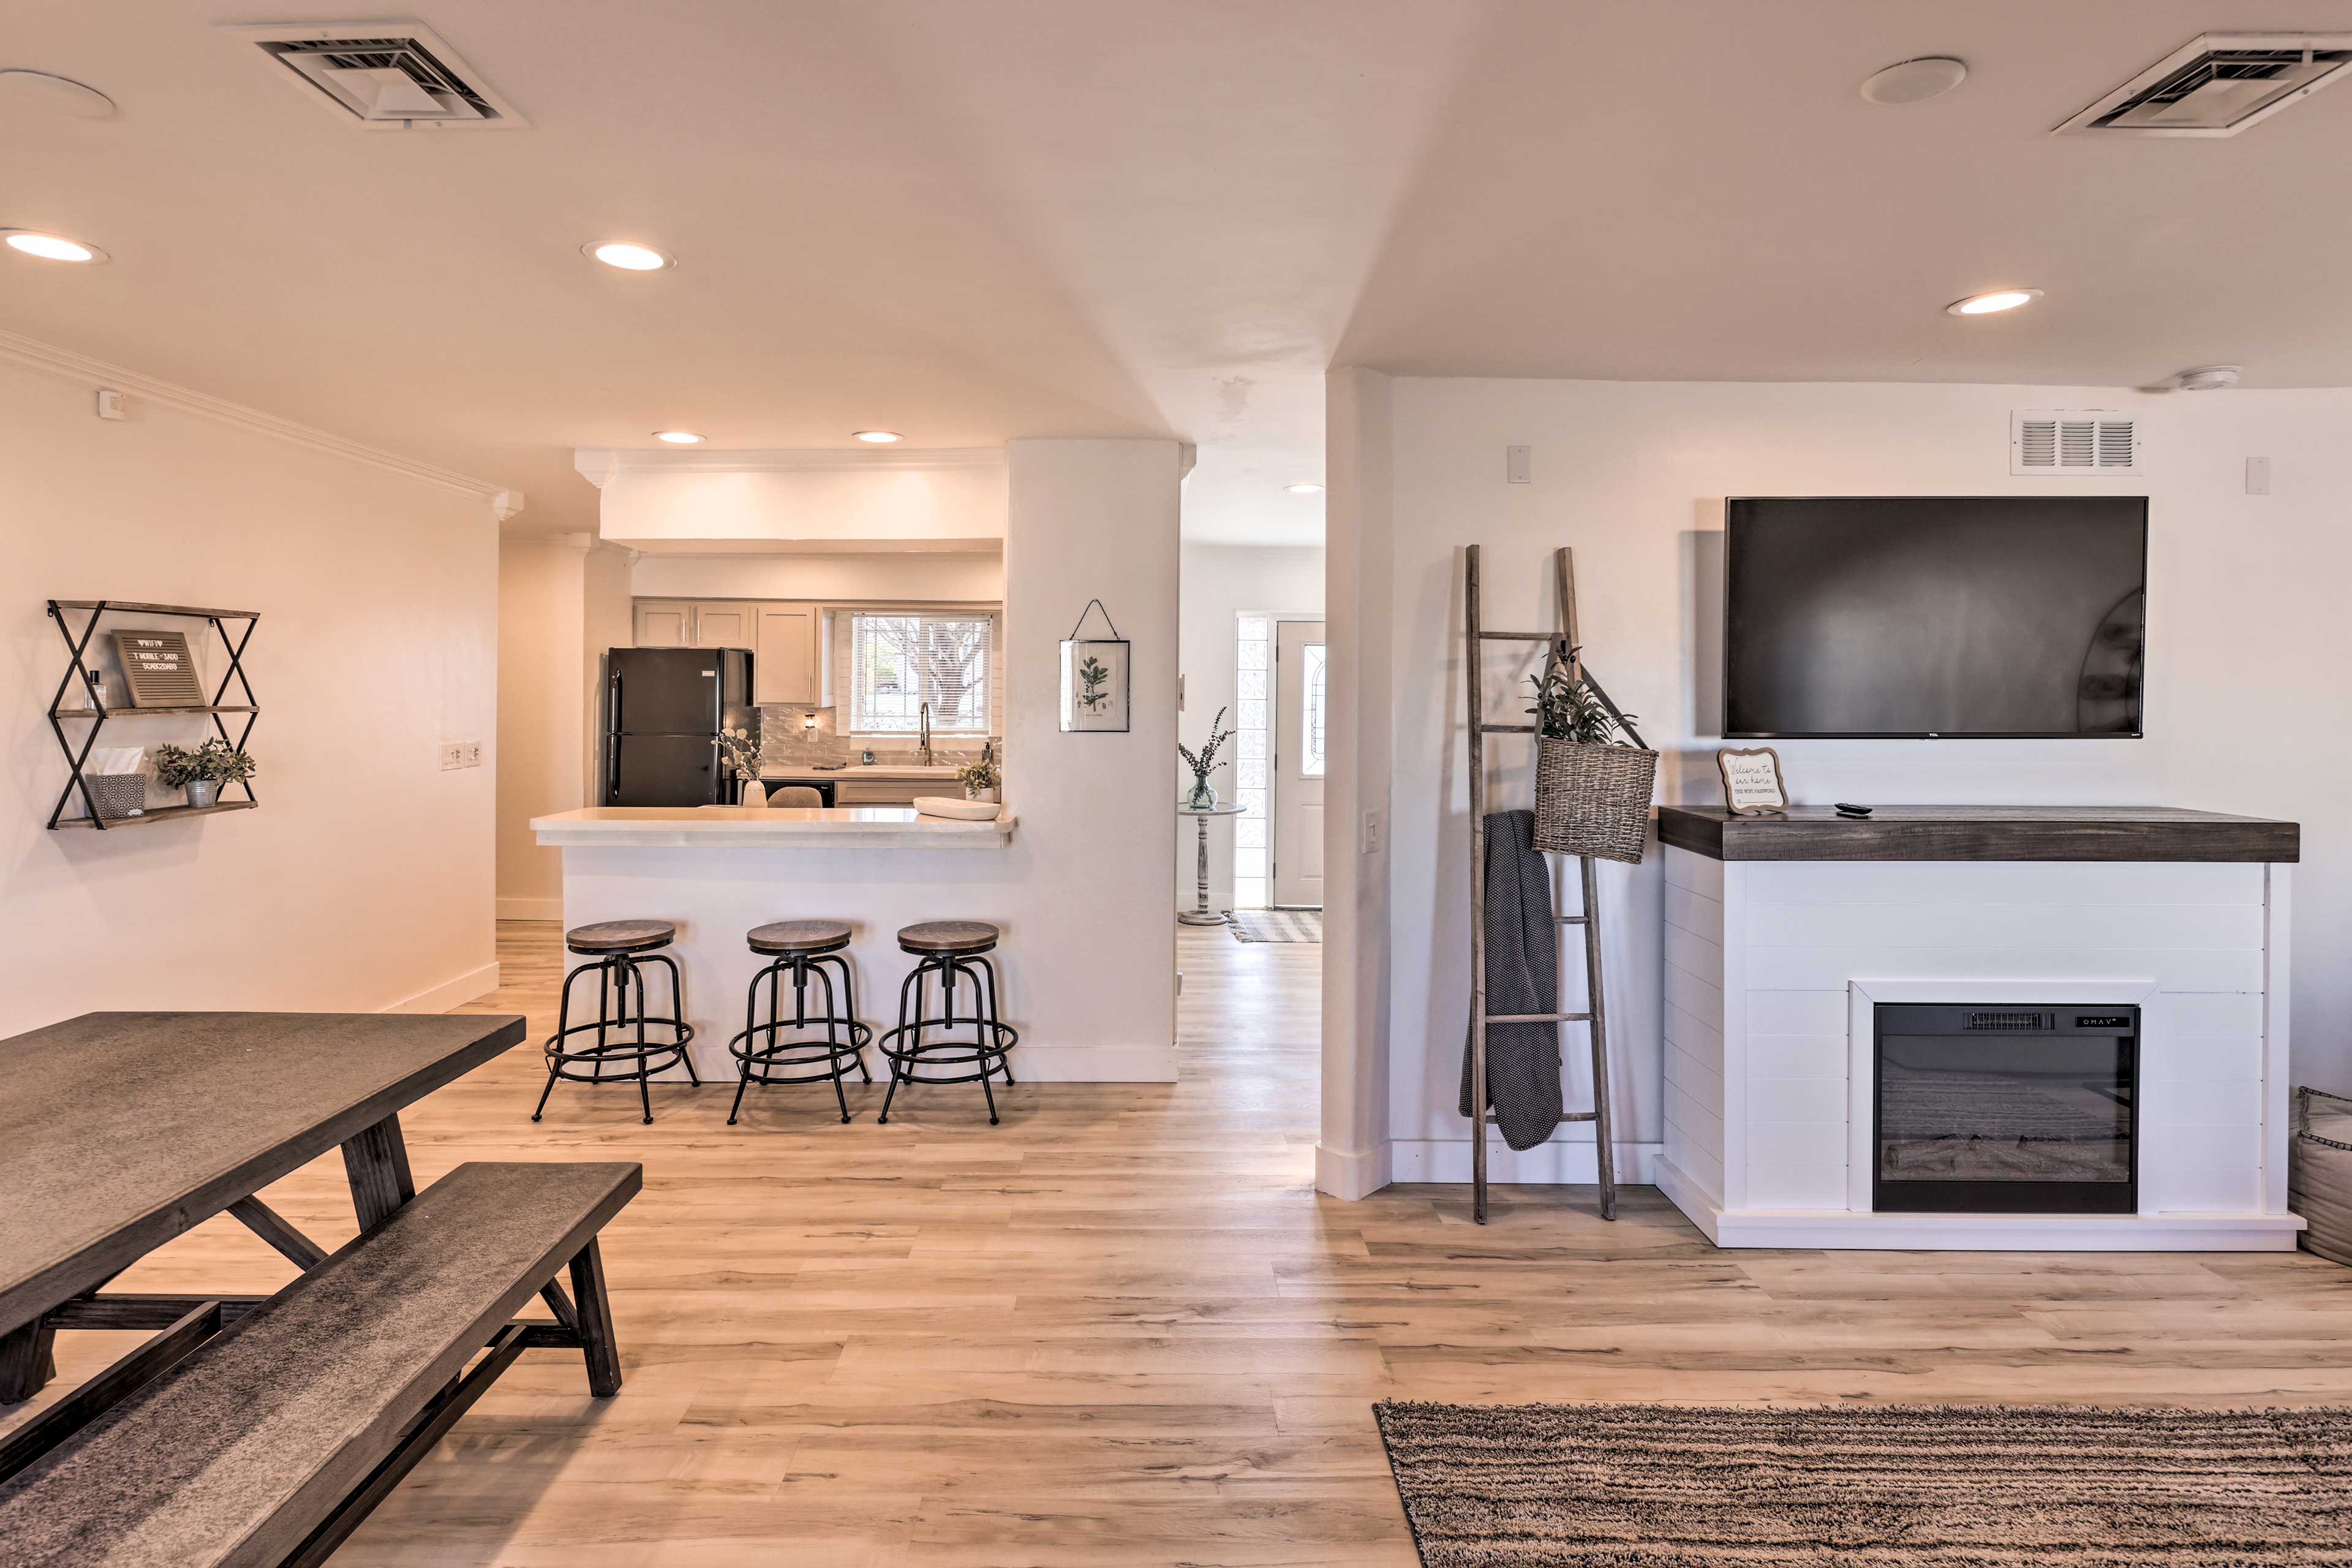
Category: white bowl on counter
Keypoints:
(959, 810)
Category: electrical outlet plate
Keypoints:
(473, 754)
(453, 755)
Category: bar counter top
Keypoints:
(766, 827)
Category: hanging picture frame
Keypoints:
(1752, 780)
(1095, 679)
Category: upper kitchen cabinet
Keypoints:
(665, 622)
(725, 625)
(788, 662)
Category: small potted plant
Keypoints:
(743, 766)
(1592, 786)
(979, 780)
(201, 772)
(1204, 796)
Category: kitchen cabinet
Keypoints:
(726, 625)
(665, 622)
(790, 663)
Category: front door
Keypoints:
(1300, 704)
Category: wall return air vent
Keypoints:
(2093, 442)
(2219, 84)
(388, 75)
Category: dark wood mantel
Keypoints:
(1980, 833)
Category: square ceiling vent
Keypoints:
(388, 76)
(2088, 443)
(2219, 84)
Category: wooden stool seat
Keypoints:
(619, 936)
(947, 936)
(798, 936)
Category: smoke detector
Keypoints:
(2210, 378)
(388, 75)
(2218, 84)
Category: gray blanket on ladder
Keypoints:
(1522, 976)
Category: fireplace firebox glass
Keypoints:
(2006, 1109)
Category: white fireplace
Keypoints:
(1775, 970)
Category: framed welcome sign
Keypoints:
(1095, 685)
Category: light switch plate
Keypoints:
(1371, 833)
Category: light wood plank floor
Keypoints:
(1121, 1327)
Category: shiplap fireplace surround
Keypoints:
(1774, 966)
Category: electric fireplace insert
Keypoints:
(2006, 1109)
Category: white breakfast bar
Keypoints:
(718, 871)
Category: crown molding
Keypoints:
(601, 464)
(48, 357)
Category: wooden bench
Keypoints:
(268, 1442)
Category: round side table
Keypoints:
(1199, 914)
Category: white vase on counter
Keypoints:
(754, 794)
(982, 795)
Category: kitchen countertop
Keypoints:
(772, 828)
(884, 770)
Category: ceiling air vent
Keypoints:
(2219, 84)
(388, 75)
(2085, 441)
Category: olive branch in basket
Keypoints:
(1206, 759)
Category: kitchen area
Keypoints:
(758, 695)
(863, 704)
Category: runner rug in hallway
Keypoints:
(1279, 925)
(1983, 1487)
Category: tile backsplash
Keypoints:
(784, 744)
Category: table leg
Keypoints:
(376, 1161)
(26, 1363)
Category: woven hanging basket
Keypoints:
(1593, 800)
(2319, 1173)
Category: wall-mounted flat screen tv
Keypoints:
(1983, 616)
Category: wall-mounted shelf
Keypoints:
(159, 814)
(77, 679)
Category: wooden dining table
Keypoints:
(122, 1130)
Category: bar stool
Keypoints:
(617, 946)
(805, 949)
(946, 949)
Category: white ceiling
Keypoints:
(973, 219)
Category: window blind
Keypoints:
(900, 662)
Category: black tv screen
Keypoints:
(1950, 616)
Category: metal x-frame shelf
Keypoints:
(76, 670)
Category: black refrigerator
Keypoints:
(664, 707)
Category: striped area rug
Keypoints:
(1584, 1485)
(1279, 925)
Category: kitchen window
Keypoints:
(900, 659)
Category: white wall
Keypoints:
(2247, 641)
(542, 603)
(1097, 828)
(779, 499)
(1219, 581)
(364, 880)
(907, 575)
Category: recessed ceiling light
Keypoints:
(880, 437)
(627, 256)
(51, 246)
(1989, 304)
(679, 437)
(1915, 81)
(1303, 489)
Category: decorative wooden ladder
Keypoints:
(1560, 645)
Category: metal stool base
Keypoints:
(761, 1049)
(625, 1060)
(910, 1054)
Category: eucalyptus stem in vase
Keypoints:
(1204, 796)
